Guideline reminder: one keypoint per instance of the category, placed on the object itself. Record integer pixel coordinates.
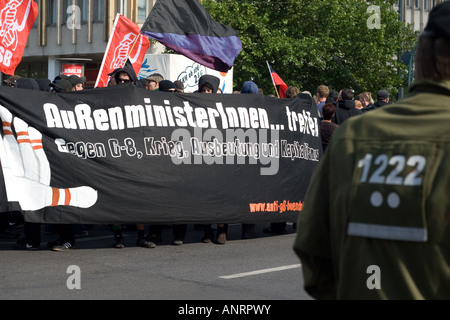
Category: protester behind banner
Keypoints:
(127, 155)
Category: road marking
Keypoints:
(251, 273)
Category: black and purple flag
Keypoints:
(187, 28)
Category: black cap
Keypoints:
(438, 25)
(12, 80)
(62, 85)
(74, 80)
(382, 95)
(59, 77)
(166, 86)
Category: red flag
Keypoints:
(278, 82)
(16, 20)
(125, 42)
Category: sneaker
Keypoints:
(118, 242)
(145, 243)
(59, 246)
(23, 244)
(177, 242)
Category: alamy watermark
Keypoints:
(74, 17)
(374, 21)
(374, 280)
(74, 280)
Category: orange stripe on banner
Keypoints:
(23, 141)
(7, 132)
(6, 124)
(67, 199)
(38, 147)
(55, 197)
(22, 133)
(38, 141)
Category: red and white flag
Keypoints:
(16, 19)
(125, 42)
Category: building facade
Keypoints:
(415, 12)
(70, 36)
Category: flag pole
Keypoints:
(129, 52)
(268, 66)
(107, 48)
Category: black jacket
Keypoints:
(374, 106)
(345, 109)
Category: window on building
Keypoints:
(36, 70)
(122, 7)
(65, 6)
(408, 3)
(36, 21)
(416, 4)
(84, 7)
(99, 10)
(142, 10)
(52, 12)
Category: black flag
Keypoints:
(187, 28)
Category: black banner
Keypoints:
(127, 155)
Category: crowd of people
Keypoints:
(147, 236)
(333, 108)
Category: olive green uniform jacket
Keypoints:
(376, 217)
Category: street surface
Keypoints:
(265, 268)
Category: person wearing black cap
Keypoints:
(61, 85)
(382, 100)
(345, 107)
(12, 81)
(77, 82)
(208, 84)
(375, 222)
(167, 86)
(121, 76)
(178, 230)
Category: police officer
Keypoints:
(376, 217)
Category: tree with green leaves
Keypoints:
(340, 43)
